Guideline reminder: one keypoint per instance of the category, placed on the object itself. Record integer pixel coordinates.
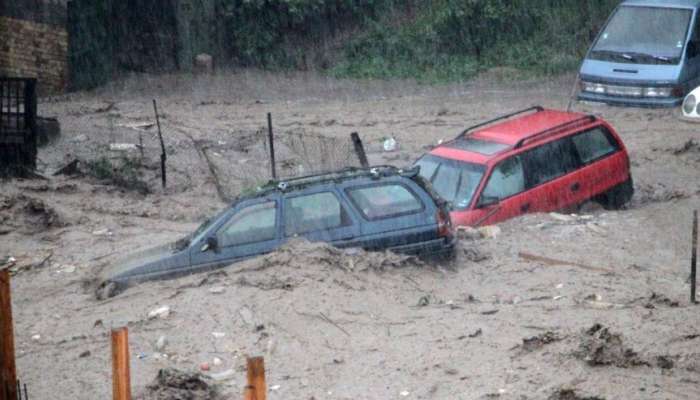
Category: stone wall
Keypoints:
(34, 50)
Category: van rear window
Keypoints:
(385, 201)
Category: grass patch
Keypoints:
(124, 172)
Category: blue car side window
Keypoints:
(252, 224)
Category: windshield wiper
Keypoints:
(616, 54)
(634, 56)
(661, 58)
(655, 57)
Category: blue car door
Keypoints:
(250, 229)
(318, 214)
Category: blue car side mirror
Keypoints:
(210, 244)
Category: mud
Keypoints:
(537, 342)
(298, 261)
(171, 384)
(657, 193)
(570, 394)
(300, 254)
(600, 347)
(28, 215)
(339, 325)
(659, 300)
(689, 147)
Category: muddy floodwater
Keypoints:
(553, 306)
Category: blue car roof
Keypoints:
(663, 3)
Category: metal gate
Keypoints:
(17, 125)
(19, 390)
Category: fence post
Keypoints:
(121, 378)
(272, 146)
(8, 371)
(163, 156)
(359, 149)
(256, 389)
(694, 259)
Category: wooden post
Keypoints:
(121, 378)
(359, 149)
(256, 388)
(272, 146)
(8, 371)
(163, 156)
(694, 259)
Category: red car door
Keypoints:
(604, 162)
(551, 176)
(504, 195)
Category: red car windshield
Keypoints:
(455, 181)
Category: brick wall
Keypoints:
(34, 50)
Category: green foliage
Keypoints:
(272, 33)
(454, 39)
(100, 168)
(124, 172)
(430, 40)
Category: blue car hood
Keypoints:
(622, 73)
(145, 262)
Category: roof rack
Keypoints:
(578, 121)
(502, 117)
(345, 173)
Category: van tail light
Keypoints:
(444, 223)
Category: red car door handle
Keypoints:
(575, 187)
(525, 207)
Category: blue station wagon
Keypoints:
(376, 209)
(647, 55)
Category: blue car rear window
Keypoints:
(385, 201)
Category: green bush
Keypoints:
(124, 172)
(454, 39)
(430, 40)
(278, 33)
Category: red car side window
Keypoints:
(594, 144)
(549, 161)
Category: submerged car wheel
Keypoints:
(617, 197)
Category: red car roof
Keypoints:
(509, 132)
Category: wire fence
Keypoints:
(297, 153)
(18, 390)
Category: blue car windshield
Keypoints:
(455, 181)
(200, 231)
(644, 35)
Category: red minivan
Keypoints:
(533, 160)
